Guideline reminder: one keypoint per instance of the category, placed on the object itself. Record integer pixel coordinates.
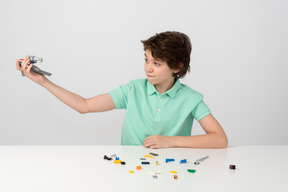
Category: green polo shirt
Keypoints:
(150, 113)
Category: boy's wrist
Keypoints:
(173, 141)
(45, 82)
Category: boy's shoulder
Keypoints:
(138, 83)
(135, 85)
(188, 89)
(189, 92)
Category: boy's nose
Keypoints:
(150, 68)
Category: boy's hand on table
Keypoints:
(157, 141)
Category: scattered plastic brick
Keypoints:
(154, 154)
(155, 177)
(174, 172)
(168, 160)
(232, 167)
(149, 156)
(117, 158)
(157, 163)
(108, 158)
(138, 167)
(197, 162)
(114, 155)
(131, 171)
(123, 163)
(145, 162)
(142, 158)
(117, 161)
(191, 170)
(175, 177)
(183, 161)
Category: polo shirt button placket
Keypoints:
(158, 108)
(160, 100)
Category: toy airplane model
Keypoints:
(34, 60)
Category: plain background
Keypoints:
(239, 62)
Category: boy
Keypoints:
(159, 110)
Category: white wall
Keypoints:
(239, 62)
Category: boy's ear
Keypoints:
(180, 67)
(176, 70)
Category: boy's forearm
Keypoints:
(211, 140)
(73, 100)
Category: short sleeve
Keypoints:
(120, 96)
(201, 110)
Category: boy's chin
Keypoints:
(151, 81)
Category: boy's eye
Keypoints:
(157, 64)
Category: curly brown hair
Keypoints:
(172, 47)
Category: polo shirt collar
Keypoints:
(150, 88)
(171, 92)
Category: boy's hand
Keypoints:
(157, 141)
(26, 68)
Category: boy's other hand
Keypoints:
(157, 141)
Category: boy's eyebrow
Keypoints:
(153, 58)
(158, 60)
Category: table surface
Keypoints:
(82, 168)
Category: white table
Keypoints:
(82, 168)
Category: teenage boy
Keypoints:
(159, 109)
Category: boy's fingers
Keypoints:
(29, 68)
(25, 66)
(148, 138)
(148, 143)
(26, 59)
(25, 63)
(145, 144)
(153, 147)
(18, 64)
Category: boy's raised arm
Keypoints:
(95, 104)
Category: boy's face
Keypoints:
(158, 72)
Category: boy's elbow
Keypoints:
(82, 112)
(223, 142)
(224, 145)
(83, 107)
